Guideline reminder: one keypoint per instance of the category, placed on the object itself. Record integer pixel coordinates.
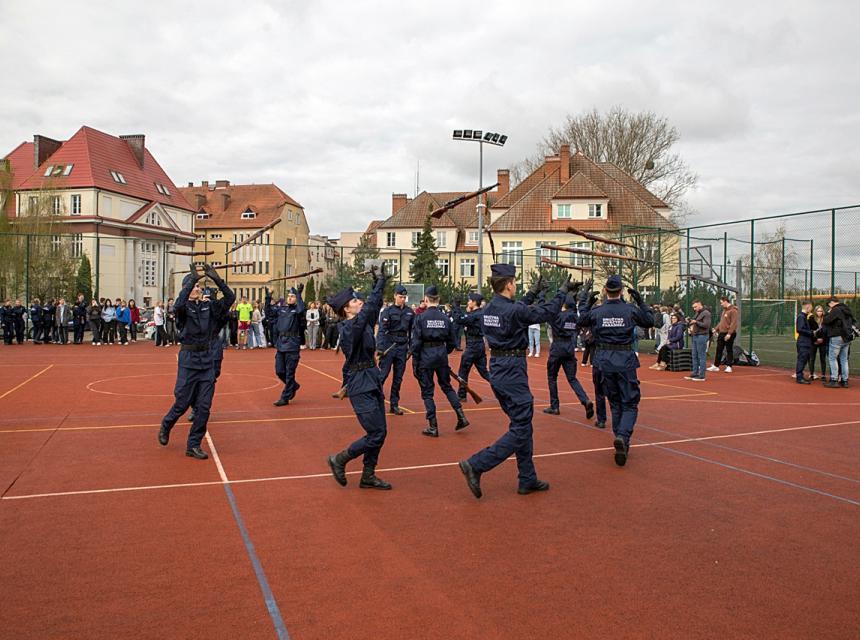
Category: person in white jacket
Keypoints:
(313, 320)
(158, 318)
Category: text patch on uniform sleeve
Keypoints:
(491, 321)
(613, 322)
(435, 324)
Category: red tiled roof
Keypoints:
(94, 155)
(412, 215)
(633, 184)
(579, 187)
(527, 185)
(533, 210)
(21, 161)
(266, 200)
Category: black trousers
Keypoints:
(63, 334)
(96, 330)
(80, 325)
(729, 346)
(821, 351)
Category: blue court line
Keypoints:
(271, 605)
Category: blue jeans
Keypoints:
(534, 340)
(700, 354)
(838, 351)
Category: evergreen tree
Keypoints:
(424, 268)
(323, 293)
(84, 280)
(310, 293)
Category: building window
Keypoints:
(472, 238)
(215, 236)
(442, 264)
(390, 239)
(202, 215)
(289, 243)
(545, 253)
(289, 215)
(595, 211)
(562, 212)
(76, 204)
(441, 239)
(162, 189)
(49, 170)
(392, 267)
(467, 267)
(56, 243)
(416, 235)
(149, 263)
(512, 252)
(248, 215)
(152, 218)
(298, 219)
(56, 205)
(117, 177)
(77, 245)
(33, 204)
(68, 170)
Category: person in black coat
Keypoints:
(18, 312)
(820, 342)
(805, 339)
(8, 322)
(36, 320)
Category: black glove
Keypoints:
(536, 285)
(566, 286)
(592, 299)
(300, 288)
(544, 286)
(575, 287)
(210, 272)
(635, 296)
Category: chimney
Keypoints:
(205, 183)
(190, 184)
(137, 144)
(398, 201)
(550, 164)
(503, 177)
(564, 154)
(222, 184)
(225, 199)
(201, 200)
(43, 148)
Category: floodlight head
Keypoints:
(476, 135)
(467, 134)
(488, 136)
(458, 133)
(495, 138)
(502, 140)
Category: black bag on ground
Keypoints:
(745, 358)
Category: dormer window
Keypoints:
(117, 177)
(153, 219)
(162, 189)
(248, 215)
(202, 215)
(57, 170)
(595, 211)
(564, 211)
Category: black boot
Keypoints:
(589, 410)
(553, 411)
(432, 430)
(620, 451)
(396, 410)
(473, 478)
(600, 424)
(281, 402)
(191, 416)
(462, 423)
(338, 466)
(163, 435)
(462, 398)
(370, 481)
(196, 452)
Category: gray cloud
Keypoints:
(336, 102)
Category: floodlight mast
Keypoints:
(481, 137)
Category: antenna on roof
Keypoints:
(417, 175)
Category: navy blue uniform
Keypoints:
(8, 323)
(615, 363)
(432, 341)
(363, 381)
(195, 377)
(288, 335)
(505, 324)
(804, 343)
(36, 320)
(456, 314)
(562, 354)
(18, 312)
(79, 316)
(475, 354)
(395, 328)
(49, 331)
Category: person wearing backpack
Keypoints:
(839, 322)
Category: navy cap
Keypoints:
(431, 291)
(293, 291)
(614, 283)
(476, 297)
(400, 290)
(341, 299)
(503, 270)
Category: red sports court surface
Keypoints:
(736, 516)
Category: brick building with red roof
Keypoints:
(117, 204)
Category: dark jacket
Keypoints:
(803, 330)
(838, 321)
(675, 339)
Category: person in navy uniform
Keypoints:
(49, 328)
(505, 324)
(475, 354)
(195, 377)
(35, 312)
(433, 339)
(392, 343)
(456, 314)
(599, 394)
(220, 316)
(805, 339)
(289, 335)
(362, 379)
(562, 354)
(8, 321)
(18, 313)
(79, 318)
(612, 324)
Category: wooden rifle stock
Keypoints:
(436, 213)
(254, 236)
(478, 399)
(596, 238)
(298, 275)
(597, 254)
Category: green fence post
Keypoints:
(687, 280)
(27, 271)
(725, 256)
(833, 252)
(782, 272)
(811, 287)
(752, 281)
(658, 279)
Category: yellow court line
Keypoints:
(33, 377)
(339, 381)
(670, 386)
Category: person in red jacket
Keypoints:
(135, 318)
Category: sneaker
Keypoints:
(689, 377)
(727, 370)
(654, 366)
(698, 379)
(712, 368)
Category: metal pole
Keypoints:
(782, 272)
(27, 272)
(687, 280)
(811, 287)
(752, 279)
(480, 209)
(833, 252)
(725, 256)
(98, 270)
(659, 261)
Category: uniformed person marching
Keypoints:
(433, 339)
(289, 335)
(562, 354)
(612, 324)
(392, 344)
(475, 354)
(220, 317)
(506, 325)
(195, 377)
(363, 382)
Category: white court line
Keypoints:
(217, 459)
(425, 466)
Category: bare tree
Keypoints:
(639, 143)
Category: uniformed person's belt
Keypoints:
(508, 353)
(433, 343)
(614, 347)
(397, 334)
(361, 366)
(194, 347)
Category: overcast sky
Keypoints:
(336, 102)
